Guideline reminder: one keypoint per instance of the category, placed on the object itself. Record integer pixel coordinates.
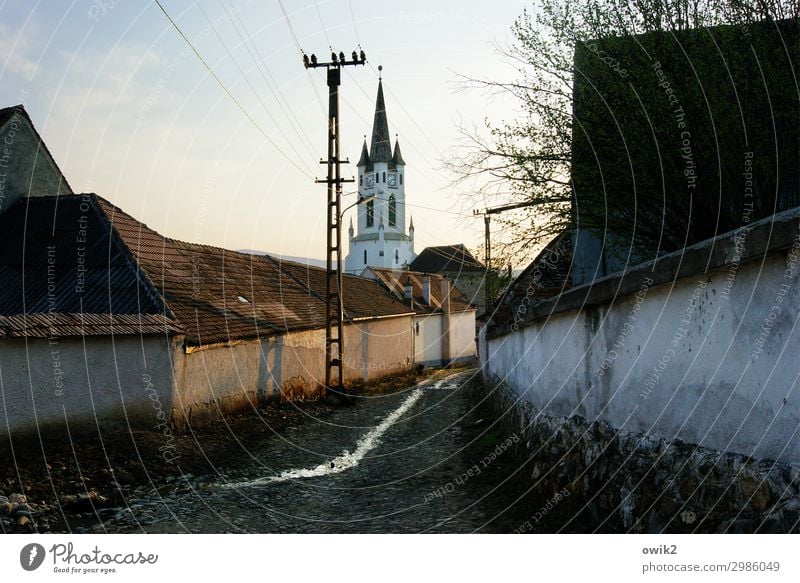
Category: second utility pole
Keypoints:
(334, 301)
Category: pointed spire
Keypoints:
(398, 157)
(381, 148)
(364, 160)
(411, 225)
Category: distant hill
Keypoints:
(303, 260)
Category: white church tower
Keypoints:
(381, 240)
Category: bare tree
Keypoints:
(530, 158)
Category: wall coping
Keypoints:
(773, 234)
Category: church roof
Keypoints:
(398, 157)
(364, 159)
(381, 148)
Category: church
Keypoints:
(380, 239)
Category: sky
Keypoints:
(130, 112)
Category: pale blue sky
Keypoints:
(130, 113)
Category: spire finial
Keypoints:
(380, 75)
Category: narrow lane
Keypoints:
(413, 461)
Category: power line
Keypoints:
(225, 89)
(249, 84)
(260, 64)
(414, 121)
(291, 28)
(355, 28)
(300, 49)
(322, 23)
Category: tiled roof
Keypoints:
(59, 257)
(395, 281)
(138, 281)
(450, 258)
(363, 298)
(548, 275)
(49, 325)
(219, 295)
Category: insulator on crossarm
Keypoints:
(313, 59)
(341, 58)
(333, 57)
(363, 57)
(355, 57)
(305, 61)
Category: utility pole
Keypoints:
(487, 243)
(334, 301)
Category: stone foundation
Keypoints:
(614, 481)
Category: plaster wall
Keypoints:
(709, 359)
(427, 344)
(462, 335)
(102, 381)
(217, 380)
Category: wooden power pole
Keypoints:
(334, 302)
(487, 243)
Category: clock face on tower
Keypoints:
(370, 181)
(392, 180)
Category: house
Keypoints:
(105, 321)
(693, 344)
(458, 265)
(547, 276)
(444, 321)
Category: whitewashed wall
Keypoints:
(428, 343)
(462, 335)
(85, 382)
(712, 359)
(222, 379)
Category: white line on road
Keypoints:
(364, 445)
(346, 460)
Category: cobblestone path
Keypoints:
(426, 459)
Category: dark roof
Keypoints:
(445, 258)
(138, 281)
(8, 112)
(381, 147)
(397, 159)
(395, 281)
(546, 276)
(60, 257)
(5, 116)
(364, 159)
(201, 286)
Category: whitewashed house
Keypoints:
(444, 321)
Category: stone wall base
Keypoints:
(616, 481)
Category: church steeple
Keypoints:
(398, 157)
(364, 160)
(378, 238)
(381, 148)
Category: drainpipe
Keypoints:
(445, 290)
